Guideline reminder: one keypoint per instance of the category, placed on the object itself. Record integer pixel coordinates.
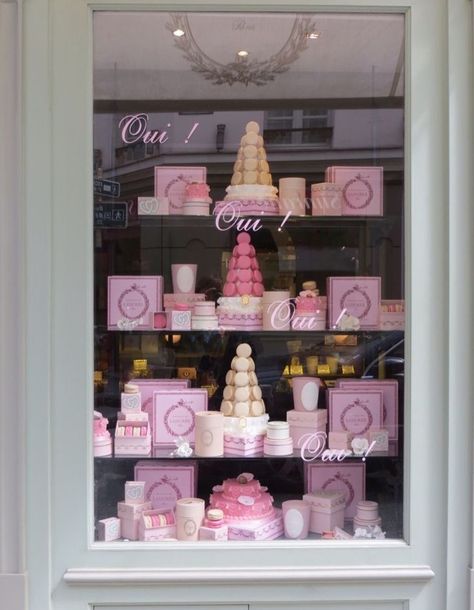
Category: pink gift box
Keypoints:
(170, 299)
(392, 314)
(380, 438)
(354, 411)
(346, 477)
(135, 492)
(132, 445)
(340, 440)
(389, 387)
(108, 529)
(214, 533)
(171, 181)
(129, 528)
(362, 189)
(247, 446)
(261, 529)
(148, 386)
(166, 483)
(327, 510)
(132, 300)
(127, 510)
(360, 296)
(153, 206)
(179, 320)
(306, 423)
(130, 403)
(174, 415)
(149, 534)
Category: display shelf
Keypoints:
(264, 334)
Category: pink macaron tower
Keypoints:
(241, 306)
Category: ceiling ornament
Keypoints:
(243, 70)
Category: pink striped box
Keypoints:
(362, 189)
(348, 477)
(171, 182)
(359, 296)
(132, 301)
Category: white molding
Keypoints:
(13, 591)
(233, 576)
(12, 277)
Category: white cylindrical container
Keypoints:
(326, 199)
(189, 517)
(277, 310)
(209, 434)
(292, 196)
(277, 430)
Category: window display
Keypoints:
(249, 276)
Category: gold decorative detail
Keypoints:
(242, 70)
(245, 299)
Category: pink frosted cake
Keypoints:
(251, 190)
(242, 499)
(241, 306)
(197, 192)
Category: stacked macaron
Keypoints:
(241, 305)
(242, 395)
(251, 190)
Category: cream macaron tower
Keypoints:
(242, 403)
(251, 190)
(241, 306)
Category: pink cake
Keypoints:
(306, 303)
(242, 499)
(197, 191)
(249, 207)
(241, 305)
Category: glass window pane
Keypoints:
(248, 275)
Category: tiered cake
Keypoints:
(241, 306)
(242, 499)
(245, 421)
(251, 190)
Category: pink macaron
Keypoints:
(243, 262)
(229, 289)
(257, 289)
(243, 238)
(243, 249)
(245, 288)
(253, 263)
(245, 275)
(232, 275)
(257, 275)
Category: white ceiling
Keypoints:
(357, 55)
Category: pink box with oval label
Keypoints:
(389, 388)
(132, 300)
(359, 296)
(362, 189)
(347, 477)
(171, 181)
(174, 415)
(355, 411)
(166, 483)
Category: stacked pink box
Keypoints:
(132, 433)
(157, 525)
(327, 510)
(306, 423)
(362, 189)
(358, 296)
(130, 510)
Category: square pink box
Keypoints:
(148, 386)
(174, 414)
(389, 387)
(247, 446)
(354, 411)
(262, 529)
(148, 534)
(346, 477)
(132, 300)
(360, 296)
(362, 189)
(166, 483)
(171, 181)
